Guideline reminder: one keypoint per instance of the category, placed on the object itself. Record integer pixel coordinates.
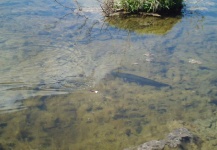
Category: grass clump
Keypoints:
(149, 6)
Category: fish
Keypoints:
(142, 81)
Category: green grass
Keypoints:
(150, 6)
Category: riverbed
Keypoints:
(72, 79)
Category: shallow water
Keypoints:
(57, 90)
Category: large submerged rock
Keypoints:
(177, 136)
(173, 139)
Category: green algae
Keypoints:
(87, 120)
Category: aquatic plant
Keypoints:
(148, 6)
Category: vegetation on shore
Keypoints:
(147, 6)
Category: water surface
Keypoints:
(57, 90)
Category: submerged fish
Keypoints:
(130, 78)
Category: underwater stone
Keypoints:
(176, 137)
(173, 139)
(152, 145)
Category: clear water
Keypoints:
(56, 85)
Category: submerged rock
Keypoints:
(152, 145)
(177, 136)
(173, 139)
